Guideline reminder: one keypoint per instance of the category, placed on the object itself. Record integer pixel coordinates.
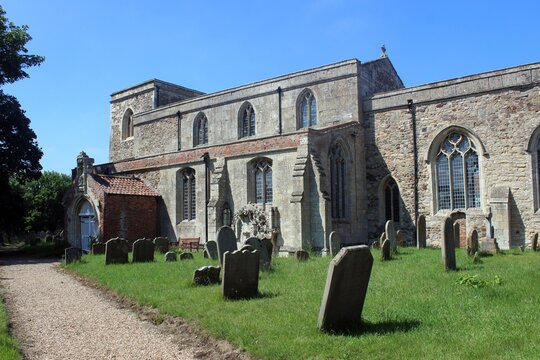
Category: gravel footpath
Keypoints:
(53, 316)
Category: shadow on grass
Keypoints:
(380, 328)
(260, 295)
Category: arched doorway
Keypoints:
(87, 225)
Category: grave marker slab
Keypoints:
(267, 243)
(206, 275)
(264, 258)
(240, 274)
(535, 242)
(335, 243)
(421, 232)
(345, 290)
(211, 249)
(385, 250)
(170, 256)
(161, 244)
(472, 242)
(186, 256)
(390, 231)
(301, 255)
(226, 241)
(143, 250)
(116, 251)
(72, 254)
(400, 238)
(98, 248)
(447, 246)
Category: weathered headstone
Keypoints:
(170, 256)
(382, 238)
(472, 243)
(211, 249)
(456, 234)
(72, 254)
(264, 258)
(385, 250)
(447, 245)
(161, 244)
(421, 232)
(98, 248)
(143, 250)
(226, 241)
(240, 274)
(535, 242)
(247, 247)
(400, 238)
(335, 243)
(301, 255)
(206, 275)
(186, 256)
(390, 231)
(267, 243)
(116, 251)
(345, 290)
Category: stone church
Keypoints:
(342, 147)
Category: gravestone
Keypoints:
(345, 290)
(448, 248)
(143, 250)
(301, 255)
(161, 244)
(247, 247)
(226, 241)
(385, 250)
(186, 256)
(264, 258)
(206, 275)
(456, 234)
(170, 256)
(382, 238)
(116, 251)
(472, 242)
(390, 231)
(375, 245)
(267, 243)
(535, 242)
(72, 254)
(240, 274)
(98, 248)
(400, 238)
(211, 249)
(421, 232)
(335, 243)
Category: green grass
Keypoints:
(8, 345)
(413, 309)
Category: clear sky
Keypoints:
(93, 48)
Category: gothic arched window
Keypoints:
(188, 194)
(247, 121)
(127, 124)
(263, 182)
(338, 183)
(200, 130)
(307, 110)
(457, 173)
(391, 200)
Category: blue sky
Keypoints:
(93, 48)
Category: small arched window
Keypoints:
(263, 182)
(338, 181)
(127, 124)
(200, 130)
(457, 173)
(391, 201)
(307, 111)
(247, 121)
(188, 194)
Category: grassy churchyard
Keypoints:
(413, 309)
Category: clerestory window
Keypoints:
(127, 124)
(247, 121)
(307, 110)
(200, 130)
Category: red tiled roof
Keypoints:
(123, 185)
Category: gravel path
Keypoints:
(53, 316)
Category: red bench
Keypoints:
(189, 243)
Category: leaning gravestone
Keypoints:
(240, 274)
(385, 250)
(390, 231)
(170, 256)
(206, 275)
(535, 242)
(264, 258)
(143, 250)
(98, 248)
(186, 256)
(472, 243)
(72, 254)
(335, 243)
(161, 244)
(301, 255)
(421, 232)
(448, 248)
(211, 249)
(226, 241)
(346, 287)
(400, 238)
(116, 251)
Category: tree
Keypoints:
(19, 151)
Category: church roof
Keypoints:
(123, 185)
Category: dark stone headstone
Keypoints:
(267, 243)
(170, 256)
(211, 249)
(335, 243)
(116, 251)
(472, 243)
(346, 287)
(447, 245)
(240, 274)
(98, 248)
(385, 250)
(535, 242)
(264, 257)
(247, 247)
(186, 256)
(421, 232)
(390, 231)
(400, 238)
(207, 275)
(226, 241)
(301, 255)
(72, 254)
(456, 234)
(161, 244)
(143, 250)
